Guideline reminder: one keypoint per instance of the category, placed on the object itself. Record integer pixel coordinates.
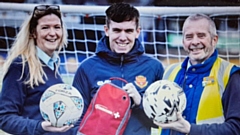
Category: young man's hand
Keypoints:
(133, 93)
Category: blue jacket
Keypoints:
(96, 70)
(19, 103)
(191, 80)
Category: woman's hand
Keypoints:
(46, 125)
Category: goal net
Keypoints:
(160, 35)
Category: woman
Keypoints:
(32, 67)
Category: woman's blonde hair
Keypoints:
(24, 47)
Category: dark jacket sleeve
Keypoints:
(80, 82)
(231, 105)
(12, 99)
(157, 67)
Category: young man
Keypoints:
(210, 83)
(120, 54)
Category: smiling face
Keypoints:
(198, 41)
(48, 34)
(122, 35)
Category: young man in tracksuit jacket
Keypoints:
(211, 84)
(120, 54)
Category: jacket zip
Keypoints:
(121, 66)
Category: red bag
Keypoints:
(108, 112)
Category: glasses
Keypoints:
(46, 7)
(42, 8)
(40, 11)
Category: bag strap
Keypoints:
(121, 79)
(118, 78)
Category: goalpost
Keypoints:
(160, 35)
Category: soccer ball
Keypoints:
(61, 104)
(162, 100)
